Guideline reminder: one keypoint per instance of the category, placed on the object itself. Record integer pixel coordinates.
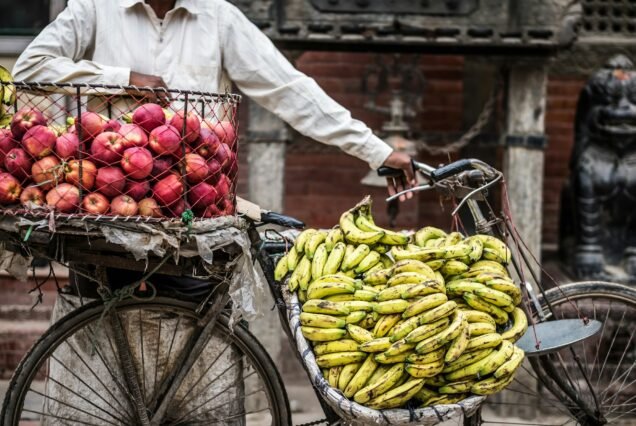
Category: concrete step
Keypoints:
(16, 338)
(13, 312)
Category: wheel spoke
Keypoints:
(73, 421)
(143, 362)
(66, 404)
(600, 339)
(609, 350)
(155, 387)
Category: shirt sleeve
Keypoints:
(262, 72)
(58, 53)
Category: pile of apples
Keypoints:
(127, 168)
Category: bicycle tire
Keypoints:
(582, 294)
(88, 314)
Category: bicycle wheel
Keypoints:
(74, 375)
(597, 373)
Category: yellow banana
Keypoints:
(377, 278)
(366, 295)
(399, 347)
(506, 285)
(428, 233)
(422, 254)
(385, 324)
(368, 262)
(426, 393)
(509, 367)
(488, 266)
(453, 267)
(381, 385)
(477, 248)
(392, 293)
(407, 278)
(316, 239)
(344, 345)
(349, 297)
(362, 376)
(381, 248)
(478, 316)
(436, 264)
(424, 304)
(326, 307)
(359, 334)
(389, 237)
(302, 239)
(459, 287)
(519, 326)
(382, 358)
(436, 381)
(427, 358)
(302, 273)
(499, 315)
(452, 239)
(437, 313)
(321, 320)
(320, 290)
(347, 373)
(334, 237)
(293, 257)
(335, 258)
(411, 265)
(427, 330)
(334, 374)
(444, 400)
(459, 344)
(423, 289)
(281, 270)
(368, 322)
(355, 317)
(457, 250)
(496, 247)
(339, 358)
(439, 278)
(403, 327)
(319, 261)
(380, 344)
(378, 267)
(386, 261)
(480, 328)
(323, 334)
(501, 356)
(355, 235)
(357, 305)
(352, 260)
(491, 385)
(457, 387)
(445, 336)
(302, 296)
(391, 307)
(397, 396)
(489, 340)
(496, 298)
(468, 358)
(422, 371)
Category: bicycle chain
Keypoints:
(314, 423)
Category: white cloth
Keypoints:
(199, 45)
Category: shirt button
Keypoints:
(161, 40)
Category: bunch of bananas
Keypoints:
(7, 97)
(400, 319)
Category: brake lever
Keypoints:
(475, 191)
(418, 188)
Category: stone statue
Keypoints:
(599, 207)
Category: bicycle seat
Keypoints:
(255, 213)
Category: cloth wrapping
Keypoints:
(358, 414)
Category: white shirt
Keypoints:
(200, 45)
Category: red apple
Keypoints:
(232, 169)
(72, 174)
(67, 145)
(210, 211)
(196, 168)
(112, 125)
(149, 116)
(95, 203)
(164, 140)
(47, 172)
(107, 148)
(25, 119)
(161, 166)
(18, 163)
(208, 143)
(149, 207)
(133, 135)
(110, 181)
(192, 125)
(7, 143)
(202, 195)
(123, 205)
(92, 124)
(214, 171)
(226, 132)
(137, 162)
(168, 190)
(223, 187)
(10, 189)
(225, 157)
(137, 190)
(39, 141)
(176, 209)
(227, 207)
(64, 198)
(32, 197)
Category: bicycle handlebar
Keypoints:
(444, 172)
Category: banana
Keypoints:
(407, 278)
(385, 324)
(389, 237)
(491, 385)
(452, 239)
(437, 313)
(506, 285)
(456, 251)
(444, 400)
(378, 267)
(303, 273)
(495, 361)
(293, 257)
(383, 359)
(386, 261)
(377, 278)
(281, 270)
(509, 367)
(335, 258)
(484, 277)
(362, 376)
(499, 315)
(344, 345)
(496, 247)
(334, 237)
(411, 265)
(347, 373)
(369, 261)
(325, 373)
(423, 289)
(340, 358)
(355, 235)
(436, 381)
(395, 292)
(359, 334)
(480, 328)
(453, 267)
(365, 295)
(423, 254)
(349, 297)
(321, 289)
(391, 307)
(302, 296)
(459, 287)
(321, 320)
(424, 304)
(478, 316)
(428, 233)
(302, 239)
(459, 344)
(468, 358)
(397, 396)
(457, 387)
(316, 239)
(439, 278)
(403, 328)
(352, 260)
(496, 298)
(470, 371)
(326, 307)
(519, 326)
(381, 385)
(436, 264)
(488, 266)
(484, 341)
(427, 358)
(426, 393)
(368, 322)
(449, 334)
(355, 317)
(334, 374)
(319, 261)
(350, 274)
(399, 347)
(477, 248)
(380, 344)
(422, 371)
(427, 330)
(381, 248)
(323, 334)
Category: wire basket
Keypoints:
(117, 152)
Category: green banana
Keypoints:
(519, 326)
(355, 235)
(335, 258)
(352, 260)
(330, 347)
(319, 261)
(316, 239)
(334, 237)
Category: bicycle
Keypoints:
(126, 381)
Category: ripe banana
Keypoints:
(339, 358)
(506, 285)
(359, 334)
(477, 249)
(334, 237)
(281, 270)
(498, 248)
(444, 399)
(496, 298)
(395, 292)
(373, 270)
(436, 264)
(293, 257)
(457, 250)
(344, 345)
(368, 322)
(457, 387)
(452, 239)
(499, 315)
(453, 267)
(322, 289)
(302, 273)
(459, 287)
(467, 359)
(436, 381)
(381, 248)
(399, 347)
(362, 376)
(312, 244)
(424, 304)
(381, 385)
(426, 393)
(509, 367)
(386, 261)
(488, 266)
(352, 259)
(422, 254)
(349, 297)
(440, 339)
(365, 295)
(347, 373)
(428, 233)
(355, 235)
(437, 313)
(377, 278)
(302, 296)
(318, 262)
(357, 305)
(411, 265)
(480, 328)
(323, 334)
(302, 239)
(383, 359)
(321, 320)
(519, 326)
(385, 324)
(369, 261)
(422, 371)
(407, 278)
(478, 316)
(391, 307)
(459, 344)
(494, 362)
(334, 374)
(427, 330)
(427, 358)
(397, 396)
(355, 317)
(326, 307)
(491, 385)
(379, 344)
(489, 340)
(423, 289)
(389, 237)
(335, 258)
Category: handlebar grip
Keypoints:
(451, 169)
(385, 171)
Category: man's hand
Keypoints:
(152, 81)
(402, 161)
